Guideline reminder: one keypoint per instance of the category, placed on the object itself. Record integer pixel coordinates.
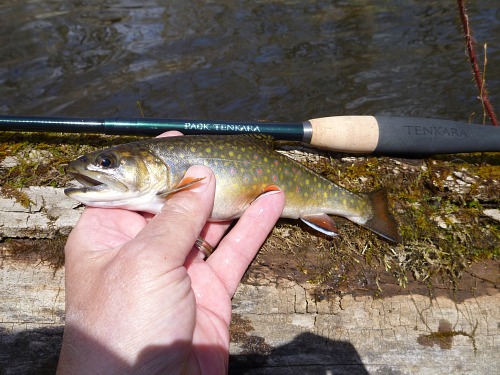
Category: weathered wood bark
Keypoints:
(49, 212)
(279, 326)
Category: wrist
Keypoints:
(81, 354)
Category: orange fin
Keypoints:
(184, 184)
(383, 222)
(322, 223)
(271, 189)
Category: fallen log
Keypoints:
(281, 326)
(299, 309)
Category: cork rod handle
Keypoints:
(402, 135)
(358, 134)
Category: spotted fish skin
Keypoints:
(245, 166)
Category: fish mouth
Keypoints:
(94, 183)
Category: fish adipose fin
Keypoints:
(184, 184)
(382, 222)
(322, 223)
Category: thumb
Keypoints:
(171, 234)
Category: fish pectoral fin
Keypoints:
(322, 223)
(185, 183)
(271, 189)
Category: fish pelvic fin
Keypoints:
(382, 222)
(322, 223)
(185, 183)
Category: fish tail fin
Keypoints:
(382, 222)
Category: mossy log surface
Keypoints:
(308, 304)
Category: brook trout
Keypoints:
(141, 175)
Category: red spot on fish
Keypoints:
(297, 189)
(275, 178)
(259, 172)
(276, 162)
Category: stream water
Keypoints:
(283, 60)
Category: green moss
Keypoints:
(43, 250)
(444, 336)
(438, 203)
(8, 191)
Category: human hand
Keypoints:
(140, 299)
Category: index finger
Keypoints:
(238, 248)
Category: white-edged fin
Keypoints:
(322, 223)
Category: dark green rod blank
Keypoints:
(147, 126)
(354, 134)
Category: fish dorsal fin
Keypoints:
(185, 183)
(263, 138)
(322, 223)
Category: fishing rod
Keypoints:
(353, 134)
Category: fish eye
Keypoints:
(106, 161)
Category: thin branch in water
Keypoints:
(139, 104)
(485, 62)
(475, 68)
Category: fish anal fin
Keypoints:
(322, 223)
(382, 222)
(185, 183)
